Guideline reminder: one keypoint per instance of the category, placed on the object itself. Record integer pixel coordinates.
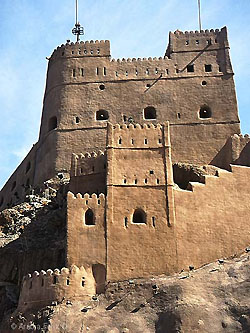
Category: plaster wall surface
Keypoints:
(212, 219)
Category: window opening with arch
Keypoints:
(102, 115)
(139, 216)
(149, 113)
(52, 123)
(89, 217)
(205, 112)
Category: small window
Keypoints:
(101, 86)
(139, 216)
(167, 72)
(83, 282)
(147, 71)
(77, 119)
(52, 123)
(124, 181)
(135, 181)
(28, 167)
(150, 112)
(153, 221)
(204, 83)
(102, 115)
(126, 73)
(145, 181)
(136, 72)
(156, 71)
(98, 51)
(145, 141)
(120, 141)
(158, 181)
(126, 222)
(178, 115)
(82, 72)
(208, 68)
(74, 72)
(67, 282)
(197, 42)
(151, 172)
(104, 71)
(132, 141)
(116, 73)
(97, 70)
(159, 140)
(89, 217)
(205, 112)
(190, 68)
(187, 42)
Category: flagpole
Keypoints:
(199, 10)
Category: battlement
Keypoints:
(87, 200)
(82, 49)
(190, 41)
(88, 163)
(136, 135)
(41, 288)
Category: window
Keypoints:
(150, 112)
(74, 72)
(204, 83)
(52, 123)
(101, 86)
(178, 115)
(197, 42)
(89, 217)
(187, 42)
(104, 71)
(77, 120)
(102, 115)
(153, 221)
(208, 68)
(126, 222)
(139, 216)
(83, 282)
(190, 68)
(205, 112)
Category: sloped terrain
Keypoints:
(214, 298)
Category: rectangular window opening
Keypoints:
(82, 72)
(153, 221)
(146, 141)
(97, 70)
(190, 68)
(126, 222)
(74, 72)
(104, 71)
(208, 68)
(178, 115)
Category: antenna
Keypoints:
(77, 30)
(199, 10)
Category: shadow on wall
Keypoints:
(99, 273)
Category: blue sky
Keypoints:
(31, 29)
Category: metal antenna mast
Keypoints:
(199, 10)
(77, 30)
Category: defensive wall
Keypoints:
(42, 288)
(88, 173)
(191, 86)
(144, 227)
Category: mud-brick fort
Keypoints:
(126, 132)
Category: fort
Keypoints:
(122, 130)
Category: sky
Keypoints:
(31, 29)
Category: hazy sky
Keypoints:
(31, 29)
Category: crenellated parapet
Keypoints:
(88, 163)
(82, 49)
(135, 135)
(240, 145)
(41, 288)
(197, 40)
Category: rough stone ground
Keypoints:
(214, 298)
